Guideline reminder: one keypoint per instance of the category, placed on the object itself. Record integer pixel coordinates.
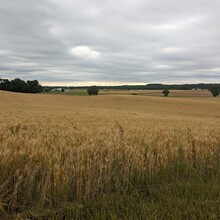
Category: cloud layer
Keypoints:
(110, 41)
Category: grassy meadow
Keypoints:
(112, 156)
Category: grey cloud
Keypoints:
(138, 41)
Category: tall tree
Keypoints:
(33, 86)
(215, 90)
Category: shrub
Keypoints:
(166, 92)
(93, 90)
(215, 90)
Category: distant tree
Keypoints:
(33, 86)
(5, 84)
(166, 92)
(18, 85)
(215, 90)
(46, 89)
(62, 90)
(93, 90)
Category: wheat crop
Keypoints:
(50, 157)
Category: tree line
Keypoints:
(33, 86)
(205, 86)
(18, 85)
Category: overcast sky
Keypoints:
(74, 42)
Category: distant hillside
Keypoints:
(145, 87)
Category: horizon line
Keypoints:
(82, 84)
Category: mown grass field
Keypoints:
(109, 157)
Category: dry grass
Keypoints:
(173, 93)
(61, 149)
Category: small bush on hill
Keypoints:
(166, 92)
(93, 90)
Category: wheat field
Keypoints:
(109, 157)
(173, 93)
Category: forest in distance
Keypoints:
(33, 86)
(149, 86)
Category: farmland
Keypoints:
(174, 93)
(112, 156)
